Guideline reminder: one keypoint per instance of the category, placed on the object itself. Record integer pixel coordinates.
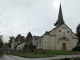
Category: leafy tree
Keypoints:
(25, 46)
(10, 41)
(78, 31)
(76, 48)
(1, 41)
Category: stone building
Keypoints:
(59, 38)
(19, 41)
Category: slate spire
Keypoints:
(60, 17)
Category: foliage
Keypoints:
(78, 31)
(77, 48)
(28, 46)
(1, 55)
(10, 41)
(1, 41)
(25, 46)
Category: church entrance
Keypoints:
(64, 46)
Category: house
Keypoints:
(20, 41)
(34, 40)
(59, 38)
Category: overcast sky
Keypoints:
(36, 16)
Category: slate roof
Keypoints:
(60, 18)
(46, 33)
(36, 37)
(29, 36)
(22, 38)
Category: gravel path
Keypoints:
(10, 57)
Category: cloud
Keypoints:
(36, 16)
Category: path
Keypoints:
(10, 57)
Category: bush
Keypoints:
(77, 48)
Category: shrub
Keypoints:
(77, 48)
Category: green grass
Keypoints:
(1, 55)
(49, 53)
(34, 55)
(58, 52)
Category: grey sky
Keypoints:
(36, 16)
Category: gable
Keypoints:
(64, 26)
(67, 30)
(53, 32)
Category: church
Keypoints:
(59, 38)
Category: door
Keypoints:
(64, 46)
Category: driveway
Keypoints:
(10, 57)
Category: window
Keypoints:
(64, 38)
(40, 42)
(68, 31)
(59, 30)
(64, 30)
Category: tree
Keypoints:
(78, 32)
(10, 41)
(1, 41)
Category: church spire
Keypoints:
(60, 17)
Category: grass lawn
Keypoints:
(59, 52)
(34, 55)
(1, 55)
(49, 53)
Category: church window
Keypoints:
(64, 30)
(59, 30)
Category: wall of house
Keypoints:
(67, 34)
(46, 41)
(39, 43)
(74, 36)
(75, 41)
(13, 45)
(19, 47)
(52, 44)
(68, 45)
(53, 32)
(53, 41)
(34, 41)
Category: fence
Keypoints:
(9, 50)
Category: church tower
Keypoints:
(60, 20)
